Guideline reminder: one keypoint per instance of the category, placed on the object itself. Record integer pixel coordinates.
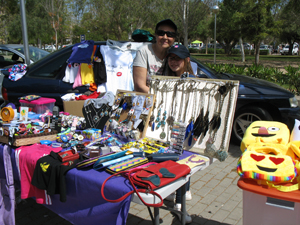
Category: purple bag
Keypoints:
(7, 193)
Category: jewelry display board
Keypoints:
(202, 109)
(130, 113)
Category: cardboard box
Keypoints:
(74, 107)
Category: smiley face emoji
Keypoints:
(266, 132)
(277, 168)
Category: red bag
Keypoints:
(151, 178)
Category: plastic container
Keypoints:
(39, 106)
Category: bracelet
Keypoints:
(56, 145)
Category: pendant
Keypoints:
(170, 120)
(96, 118)
(162, 135)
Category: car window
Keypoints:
(52, 68)
(35, 54)
(8, 58)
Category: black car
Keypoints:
(257, 99)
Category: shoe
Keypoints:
(171, 197)
(188, 196)
(188, 218)
(177, 206)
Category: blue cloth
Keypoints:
(82, 52)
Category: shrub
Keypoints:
(291, 79)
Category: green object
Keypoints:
(142, 36)
(197, 42)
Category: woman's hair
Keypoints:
(187, 68)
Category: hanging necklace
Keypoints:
(171, 117)
(163, 121)
(181, 101)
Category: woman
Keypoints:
(178, 64)
(150, 58)
(178, 60)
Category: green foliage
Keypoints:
(291, 79)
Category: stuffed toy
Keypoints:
(270, 155)
(267, 132)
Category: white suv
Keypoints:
(285, 50)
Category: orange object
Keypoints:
(252, 186)
(7, 114)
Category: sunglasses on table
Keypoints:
(168, 33)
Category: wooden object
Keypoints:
(30, 139)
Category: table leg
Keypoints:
(156, 215)
(183, 204)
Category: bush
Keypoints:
(291, 79)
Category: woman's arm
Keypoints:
(140, 79)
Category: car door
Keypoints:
(43, 78)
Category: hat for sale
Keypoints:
(180, 50)
(166, 22)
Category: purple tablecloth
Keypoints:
(85, 204)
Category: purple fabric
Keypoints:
(85, 204)
(82, 52)
(7, 191)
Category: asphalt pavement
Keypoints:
(216, 200)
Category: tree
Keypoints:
(55, 8)
(228, 24)
(290, 23)
(259, 21)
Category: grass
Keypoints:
(248, 58)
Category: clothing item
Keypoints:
(26, 159)
(99, 67)
(87, 74)
(146, 58)
(178, 192)
(77, 82)
(180, 50)
(166, 22)
(84, 97)
(7, 191)
(118, 69)
(124, 46)
(71, 72)
(49, 174)
(82, 52)
(108, 98)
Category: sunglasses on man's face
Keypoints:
(168, 33)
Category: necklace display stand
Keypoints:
(131, 113)
(96, 117)
(205, 106)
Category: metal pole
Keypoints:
(24, 32)
(215, 34)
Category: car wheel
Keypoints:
(243, 118)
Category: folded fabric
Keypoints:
(127, 164)
(193, 160)
(30, 97)
(161, 157)
(110, 157)
(17, 71)
(84, 97)
(102, 165)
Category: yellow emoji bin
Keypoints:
(266, 132)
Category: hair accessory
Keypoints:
(46, 142)
(55, 145)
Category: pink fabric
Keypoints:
(77, 81)
(27, 157)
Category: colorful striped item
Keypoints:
(250, 165)
(127, 164)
